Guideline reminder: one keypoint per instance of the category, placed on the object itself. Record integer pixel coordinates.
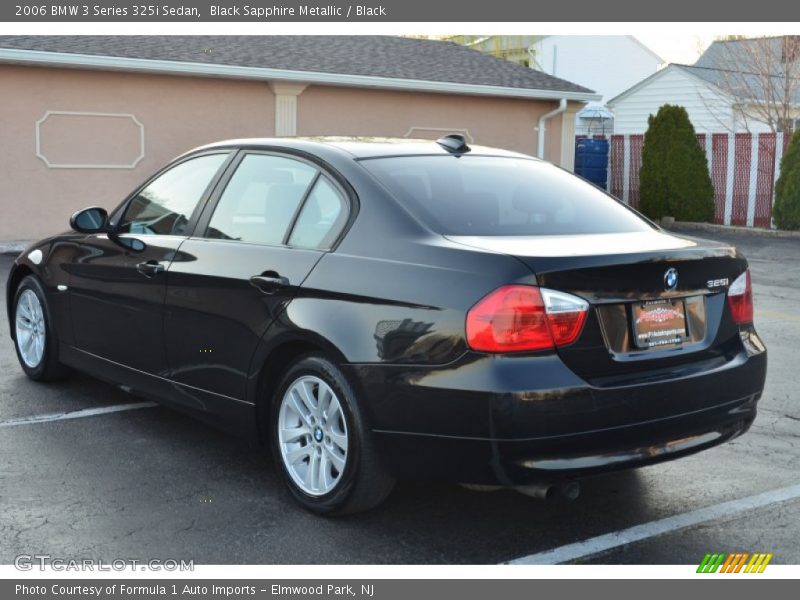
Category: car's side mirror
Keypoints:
(90, 220)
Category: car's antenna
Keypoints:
(455, 143)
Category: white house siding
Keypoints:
(709, 110)
(745, 123)
(608, 64)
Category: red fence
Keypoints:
(743, 168)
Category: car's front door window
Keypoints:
(166, 204)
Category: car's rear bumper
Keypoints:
(509, 421)
(516, 462)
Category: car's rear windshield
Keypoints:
(490, 195)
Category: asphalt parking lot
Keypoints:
(150, 483)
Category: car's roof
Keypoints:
(358, 147)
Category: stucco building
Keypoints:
(87, 118)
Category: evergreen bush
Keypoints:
(674, 179)
(786, 211)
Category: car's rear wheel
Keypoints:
(321, 442)
(34, 334)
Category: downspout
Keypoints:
(562, 106)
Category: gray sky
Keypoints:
(683, 49)
(688, 41)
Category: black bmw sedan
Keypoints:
(383, 309)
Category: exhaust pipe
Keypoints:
(547, 490)
(569, 490)
(544, 490)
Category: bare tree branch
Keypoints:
(763, 74)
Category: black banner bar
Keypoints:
(731, 588)
(440, 11)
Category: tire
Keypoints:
(35, 338)
(362, 483)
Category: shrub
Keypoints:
(674, 179)
(786, 211)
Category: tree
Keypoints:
(762, 75)
(786, 211)
(674, 179)
(520, 49)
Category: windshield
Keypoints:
(486, 195)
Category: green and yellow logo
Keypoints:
(739, 562)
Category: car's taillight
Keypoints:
(565, 315)
(523, 318)
(740, 299)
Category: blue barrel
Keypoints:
(591, 160)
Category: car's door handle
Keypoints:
(269, 285)
(150, 268)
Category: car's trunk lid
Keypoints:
(624, 277)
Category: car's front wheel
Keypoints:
(34, 333)
(321, 442)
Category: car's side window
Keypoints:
(166, 204)
(322, 218)
(261, 199)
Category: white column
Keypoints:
(729, 179)
(286, 107)
(777, 173)
(751, 191)
(626, 169)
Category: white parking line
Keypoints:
(608, 541)
(76, 414)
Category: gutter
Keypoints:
(173, 67)
(562, 106)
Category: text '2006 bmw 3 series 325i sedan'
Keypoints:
(383, 309)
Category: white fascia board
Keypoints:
(640, 84)
(114, 63)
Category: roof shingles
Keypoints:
(377, 56)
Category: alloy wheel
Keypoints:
(30, 328)
(312, 435)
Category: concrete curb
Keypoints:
(14, 247)
(755, 231)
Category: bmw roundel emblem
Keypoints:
(671, 279)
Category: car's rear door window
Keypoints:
(495, 196)
(261, 199)
(321, 219)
